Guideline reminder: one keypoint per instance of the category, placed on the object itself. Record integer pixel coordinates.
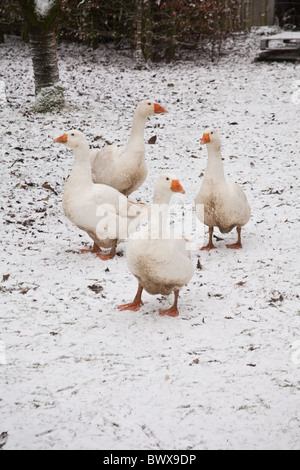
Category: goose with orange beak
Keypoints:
(124, 167)
(158, 259)
(220, 202)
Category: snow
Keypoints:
(49, 99)
(2, 93)
(43, 6)
(76, 373)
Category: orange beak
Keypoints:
(158, 109)
(205, 139)
(62, 139)
(176, 187)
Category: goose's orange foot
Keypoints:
(90, 251)
(105, 256)
(171, 312)
(235, 246)
(134, 306)
(208, 248)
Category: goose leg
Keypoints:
(238, 244)
(95, 249)
(173, 311)
(110, 255)
(136, 304)
(210, 245)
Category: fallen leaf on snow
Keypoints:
(152, 139)
(47, 186)
(199, 265)
(96, 288)
(3, 439)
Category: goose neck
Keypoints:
(161, 197)
(160, 209)
(81, 172)
(214, 168)
(159, 227)
(138, 128)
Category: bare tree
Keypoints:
(40, 17)
(139, 57)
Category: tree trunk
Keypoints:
(43, 54)
(41, 31)
(139, 57)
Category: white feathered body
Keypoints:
(225, 204)
(160, 265)
(122, 167)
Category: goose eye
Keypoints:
(167, 179)
(72, 134)
(211, 132)
(149, 104)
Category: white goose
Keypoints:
(160, 262)
(225, 203)
(100, 210)
(124, 167)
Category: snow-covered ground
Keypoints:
(77, 373)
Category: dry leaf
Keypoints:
(152, 140)
(199, 265)
(3, 439)
(96, 288)
(47, 186)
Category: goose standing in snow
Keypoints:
(225, 203)
(158, 260)
(124, 167)
(100, 210)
